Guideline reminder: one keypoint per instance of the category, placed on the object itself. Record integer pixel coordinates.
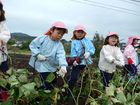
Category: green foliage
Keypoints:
(7, 102)
(50, 77)
(25, 45)
(67, 45)
(25, 88)
(121, 90)
(11, 42)
(98, 43)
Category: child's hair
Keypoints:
(2, 16)
(53, 28)
(107, 38)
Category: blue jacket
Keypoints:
(77, 49)
(52, 50)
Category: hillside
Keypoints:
(21, 37)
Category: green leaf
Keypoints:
(7, 102)
(50, 77)
(14, 93)
(47, 91)
(129, 97)
(37, 81)
(22, 71)
(27, 89)
(13, 81)
(65, 85)
(137, 100)
(23, 78)
(115, 100)
(120, 96)
(93, 103)
(110, 90)
(10, 71)
(3, 82)
(56, 90)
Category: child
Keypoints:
(48, 53)
(82, 47)
(4, 37)
(130, 55)
(110, 56)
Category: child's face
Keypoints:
(112, 40)
(135, 41)
(79, 34)
(57, 34)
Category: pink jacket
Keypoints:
(130, 52)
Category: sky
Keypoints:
(35, 17)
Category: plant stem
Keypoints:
(134, 88)
(89, 85)
(127, 83)
(70, 92)
(81, 86)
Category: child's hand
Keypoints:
(86, 55)
(118, 63)
(75, 63)
(41, 57)
(62, 71)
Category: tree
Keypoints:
(11, 42)
(98, 41)
(25, 45)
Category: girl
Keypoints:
(130, 55)
(110, 56)
(82, 47)
(48, 53)
(4, 37)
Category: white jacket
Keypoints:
(107, 54)
(4, 36)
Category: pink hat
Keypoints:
(130, 39)
(112, 33)
(57, 24)
(80, 27)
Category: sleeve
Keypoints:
(36, 44)
(61, 55)
(119, 56)
(128, 51)
(107, 54)
(73, 51)
(90, 48)
(4, 33)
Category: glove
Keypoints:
(62, 71)
(75, 63)
(41, 57)
(118, 63)
(130, 61)
(86, 55)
